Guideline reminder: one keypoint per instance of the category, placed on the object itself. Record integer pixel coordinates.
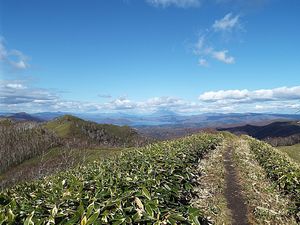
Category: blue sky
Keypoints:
(189, 56)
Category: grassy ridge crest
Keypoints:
(150, 185)
(70, 128)
(280, 169)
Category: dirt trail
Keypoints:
(233, 193)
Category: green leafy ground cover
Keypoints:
(150, 185)
(280, 169)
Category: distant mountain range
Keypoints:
(163, 118)
(22, 116)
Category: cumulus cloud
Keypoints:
(276, 94)
(14, 58)
(227, 23)
(163, 102)
(177, 3)
(279, 100)
(15, 86)
(121, 104)
(148, 105)
(15, 92)
(212, 96)
(16, 95)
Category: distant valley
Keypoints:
(165, 124)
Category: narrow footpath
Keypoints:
(233, 193)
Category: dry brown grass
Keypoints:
(211, 199)
(265, 202)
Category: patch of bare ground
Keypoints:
(233, 191)
(266, 205)
(210, 192)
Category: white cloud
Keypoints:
(203, 50)
(177, 3)
(15, 93)
(276, 94)
(222, 56)
(165, 101)
(221, 95)
(148, 105)
(227, 23)
(15, 86)
(121, 104)
(15, 58)
(20, 64)
(203, 46)
(16, 96)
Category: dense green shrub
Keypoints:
(150, 185)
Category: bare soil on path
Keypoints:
(233, 193)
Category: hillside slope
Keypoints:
(172, 182)
(81, 132)
(276, 129)
(22, 141)
(30, 150)
(277, 133)
(293, 151)
(142, 186)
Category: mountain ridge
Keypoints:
(165, 118)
